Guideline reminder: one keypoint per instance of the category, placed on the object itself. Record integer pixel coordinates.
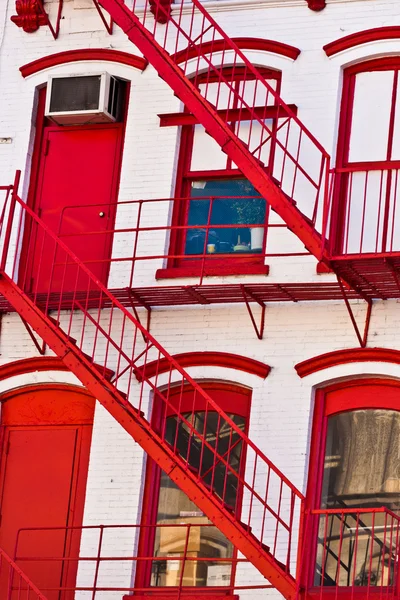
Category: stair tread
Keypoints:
(131, 407)
(53, 320)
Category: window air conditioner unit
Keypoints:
(82, 99)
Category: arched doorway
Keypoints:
(354, 487)
(46, 434)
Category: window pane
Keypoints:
(361, 471)
(371, 115)
(245, 208)
(206, 154)
(396, 129)
(176, 511)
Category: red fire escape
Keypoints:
(88, 326)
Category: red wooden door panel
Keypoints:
(43, 478)
(76, 195)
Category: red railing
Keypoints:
(97, 328)
(196, 44)
(14, 584)
(147, 245)
(357, 550)
(188, 557)
(368, 219)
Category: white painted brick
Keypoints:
(282, 404)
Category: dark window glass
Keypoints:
(175, 510)
(206, 205)
(361, 471)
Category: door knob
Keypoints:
(101, 214)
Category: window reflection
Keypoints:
(175, 510)
(361, 470)
(246, 208)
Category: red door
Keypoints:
(44, 470)
(76, 195)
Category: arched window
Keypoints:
(366, 216)
(354, 486)
(213, 200)
(187, 549)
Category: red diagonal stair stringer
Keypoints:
(103, 328)
(138, 428)
(280, 191)
(18, 584)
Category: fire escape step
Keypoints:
(132, 408)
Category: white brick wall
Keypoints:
(282, 404)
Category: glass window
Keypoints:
(361, 471)
(204, 545)
(221, 224)
(228, 218)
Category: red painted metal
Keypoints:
(361, 546)
(362, 37)
(17, 586)
(290, 139)
(37, 363)
(184, 118)
(214, 359)
(244, 43)
(31, 15)
(141, 214)
(369, 275)
(68, 56)
(233, 399)
(64, 182)
(107, 333)
(30, 365)
(355, 394)
(44, 468)
(361, 394)
(183, 294)
(316, 5)
(365, 194)
(105, 560)
(342, 357)
(361, 235)
(361, 336)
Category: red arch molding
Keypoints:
(243, 44)
(214, 359)
(341, 357)
(38, 363)
(60, 58)
(362, 37)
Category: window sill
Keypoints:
(209, 271)
(186, 595)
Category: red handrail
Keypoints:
(18, 585)
(106, 333)
(220, 77)
(357, 550)
(98, 553)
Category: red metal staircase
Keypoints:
(87, 326)
(14, 584)
(296, 181)
(92, 333)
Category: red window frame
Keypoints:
(185, 175)
(371, 393)
(232, 398)
(343, 165)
